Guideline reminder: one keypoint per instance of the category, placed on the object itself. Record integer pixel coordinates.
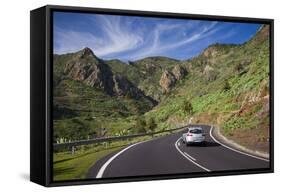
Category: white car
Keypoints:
(194, 135)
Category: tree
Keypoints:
(140, 125)
(187, 107)
(151, 124)
(78, 129)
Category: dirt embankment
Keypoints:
(253, 136)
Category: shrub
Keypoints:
(239, 67)
(187, 107)
(140, 125)
(151, 124)
(226, 86)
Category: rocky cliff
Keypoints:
(84, 66)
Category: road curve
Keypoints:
(168, 155)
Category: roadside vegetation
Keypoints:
(71, 166)
(68, 166)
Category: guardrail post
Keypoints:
(72, 150)
(105, 144)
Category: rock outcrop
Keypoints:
(179, 72)
(211, 51)
(89, 69)
(86, 67)
(209, 73)
(122, 86)
(167, 81)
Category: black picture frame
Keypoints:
(41, 58)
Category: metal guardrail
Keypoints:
(107, 139)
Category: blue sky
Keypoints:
(132, 38)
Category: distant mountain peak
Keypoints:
(213, 49)
(86, 52)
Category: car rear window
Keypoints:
(196, 131)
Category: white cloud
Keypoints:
(71, 41)
(157, 47)
(117, 39)
(122, 38)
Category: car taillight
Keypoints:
(189, 134)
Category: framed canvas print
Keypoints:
(119, 95)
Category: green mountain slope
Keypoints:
(227, 85)
(89, 97)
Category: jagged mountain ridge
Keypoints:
(146, 73)
(152, 76)
(140, 78)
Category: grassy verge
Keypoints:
(67, 166)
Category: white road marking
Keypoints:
(102, 169)
(188, 158)
(179, 144)
(260, 158)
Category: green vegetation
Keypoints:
(84, 110)
(69, 167)
(187, 107)
(151, 124)
(226, 85)
(140, 125)
(228, 93)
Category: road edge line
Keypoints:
(189, 159)
(189, 156)
(235, 150)
(105, 165)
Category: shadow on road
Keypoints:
(205, 144)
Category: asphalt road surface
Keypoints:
(168, 155)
